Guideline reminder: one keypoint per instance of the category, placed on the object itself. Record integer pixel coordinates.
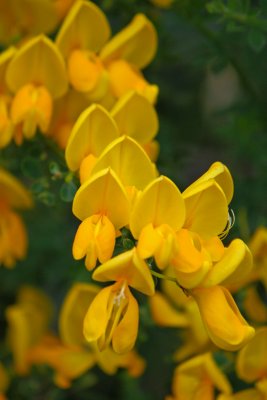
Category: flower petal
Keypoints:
(38, 61)
(73, 311)
(136, 117)
(164, 314)
(136, 43)
(13, 192)
(206, 209)
(125, 333)
(85, 27)
(221, 174)
(103, 194)
(236, 262)
(221, 317)
(160, 203)
(130, 267)
(129, 161)
(87, 135)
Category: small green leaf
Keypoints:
(67, 191)
(256, 40)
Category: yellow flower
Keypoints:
(13, 195)
(71, 322)
(113, 317)
(221, 317)
(36, 74)
(102, 204)
(158, 212)
(197, 379)
(95, 128)
(27, 323)
(82, 40)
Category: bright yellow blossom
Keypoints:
(36, 75)
(103, 206)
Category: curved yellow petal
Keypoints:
(160, 203)
(149, 240)
(85, 27)
(206, 209)
(129, 161)
(251, 363)
(5, 58)
(103, 194)
(236, 262)
(13, 192)
(258, 244)
(125, 333)
(92, 132)
(130, 267)
(247, 394)
(97, 316)
(73, 311)
(136, 117)
(225, 325)
(221, 174)
(254, 306)
(136, 43)
(164, 314)
(38, 61)
(190, 262)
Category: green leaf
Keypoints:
(214, 7)
(256, 40)
(67, 191)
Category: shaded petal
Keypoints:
(103, 194)
(206, 209)
(87, 135)
(160, 203)
(136, 117)
(149, 241)
(97, 316)
(130, 267)
(236, 262)
(221, 317)
(164, 314)
(85, 27)
(190, 262)
(129, 161)
(73, 311)
(125, 333)
(221, 174)
(38, 61)
(13, 192)
(251, 363)
(136, 43)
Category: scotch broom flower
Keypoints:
(36, 75)
(102, 204)
(198, 378)
(158, 212)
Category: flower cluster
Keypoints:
(84, 89)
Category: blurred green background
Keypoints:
(211, 68)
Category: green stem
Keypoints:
(161, 276)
